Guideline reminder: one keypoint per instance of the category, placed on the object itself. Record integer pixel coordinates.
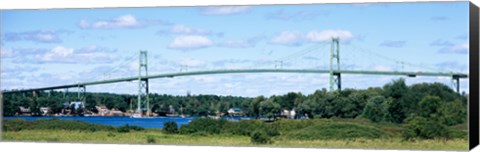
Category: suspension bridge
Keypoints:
(335, 75)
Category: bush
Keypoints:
(260, 137)
(337, 131)
(420, 127)
(52, 124)
(111, 134)
(151, 139)
(375, 109)
(207, 125)
(170, 127)
(123, 129)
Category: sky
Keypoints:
(41, 48)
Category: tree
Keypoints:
(375, 109)
(401, 104)
(269, 108)
(254, 106)
(424, 128)
(453, 113)
(429, 107)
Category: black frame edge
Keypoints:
(473, 124)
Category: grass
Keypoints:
(328, 131)
(319, 133)
(149, 135)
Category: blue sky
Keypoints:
(51, 47)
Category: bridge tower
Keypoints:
(81, 93)
(143, 85)
(335, 76)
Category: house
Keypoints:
(44, 110)
(115, 112)
(288, 114)
(235, 112)
(102, 110)
(24, 111)
(77, 104)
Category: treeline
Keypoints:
(394, 102)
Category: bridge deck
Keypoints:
(210, 72)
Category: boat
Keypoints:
(136, 115)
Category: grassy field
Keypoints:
(314, 133)
(157, 137)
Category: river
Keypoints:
(153, 122)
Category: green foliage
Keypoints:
(151, 139)
(269, 108)
(126, 128)
(375, 109)
(429, 107)
(336, 130)
(110, 134)
(207, 125)
(425, 128)
(170, 127)
(52, 124)
(260, 137)
(453, 113)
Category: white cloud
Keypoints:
(125, 21)
(189, 42)
(187, 30)
(61, 54)
(236, 44)
(458, 48)
(58, 52)
(6, 53)
(182, 29)
(42, 36)
(327, 35)
(191, 62)
(296, 38)
(225, 10)
(288, 38)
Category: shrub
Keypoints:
(52, 124)
(136, 128)
(123, 129)
(151, 139)
(375, 109)
(260, 137)
(127, 128)
(337, 131)
(111, 134)
(170, 127)
(200, 133)
(420, 127)
(207, 125)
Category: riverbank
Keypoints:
(142, 137)
(313, 133)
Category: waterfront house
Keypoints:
(44, 110)
(235, 112)
(115, 112)
(77, 104)
(288, 114)
(102, 110)
(24, 111)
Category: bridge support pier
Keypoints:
(65, 92)
(337, 80)
(456, 83)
